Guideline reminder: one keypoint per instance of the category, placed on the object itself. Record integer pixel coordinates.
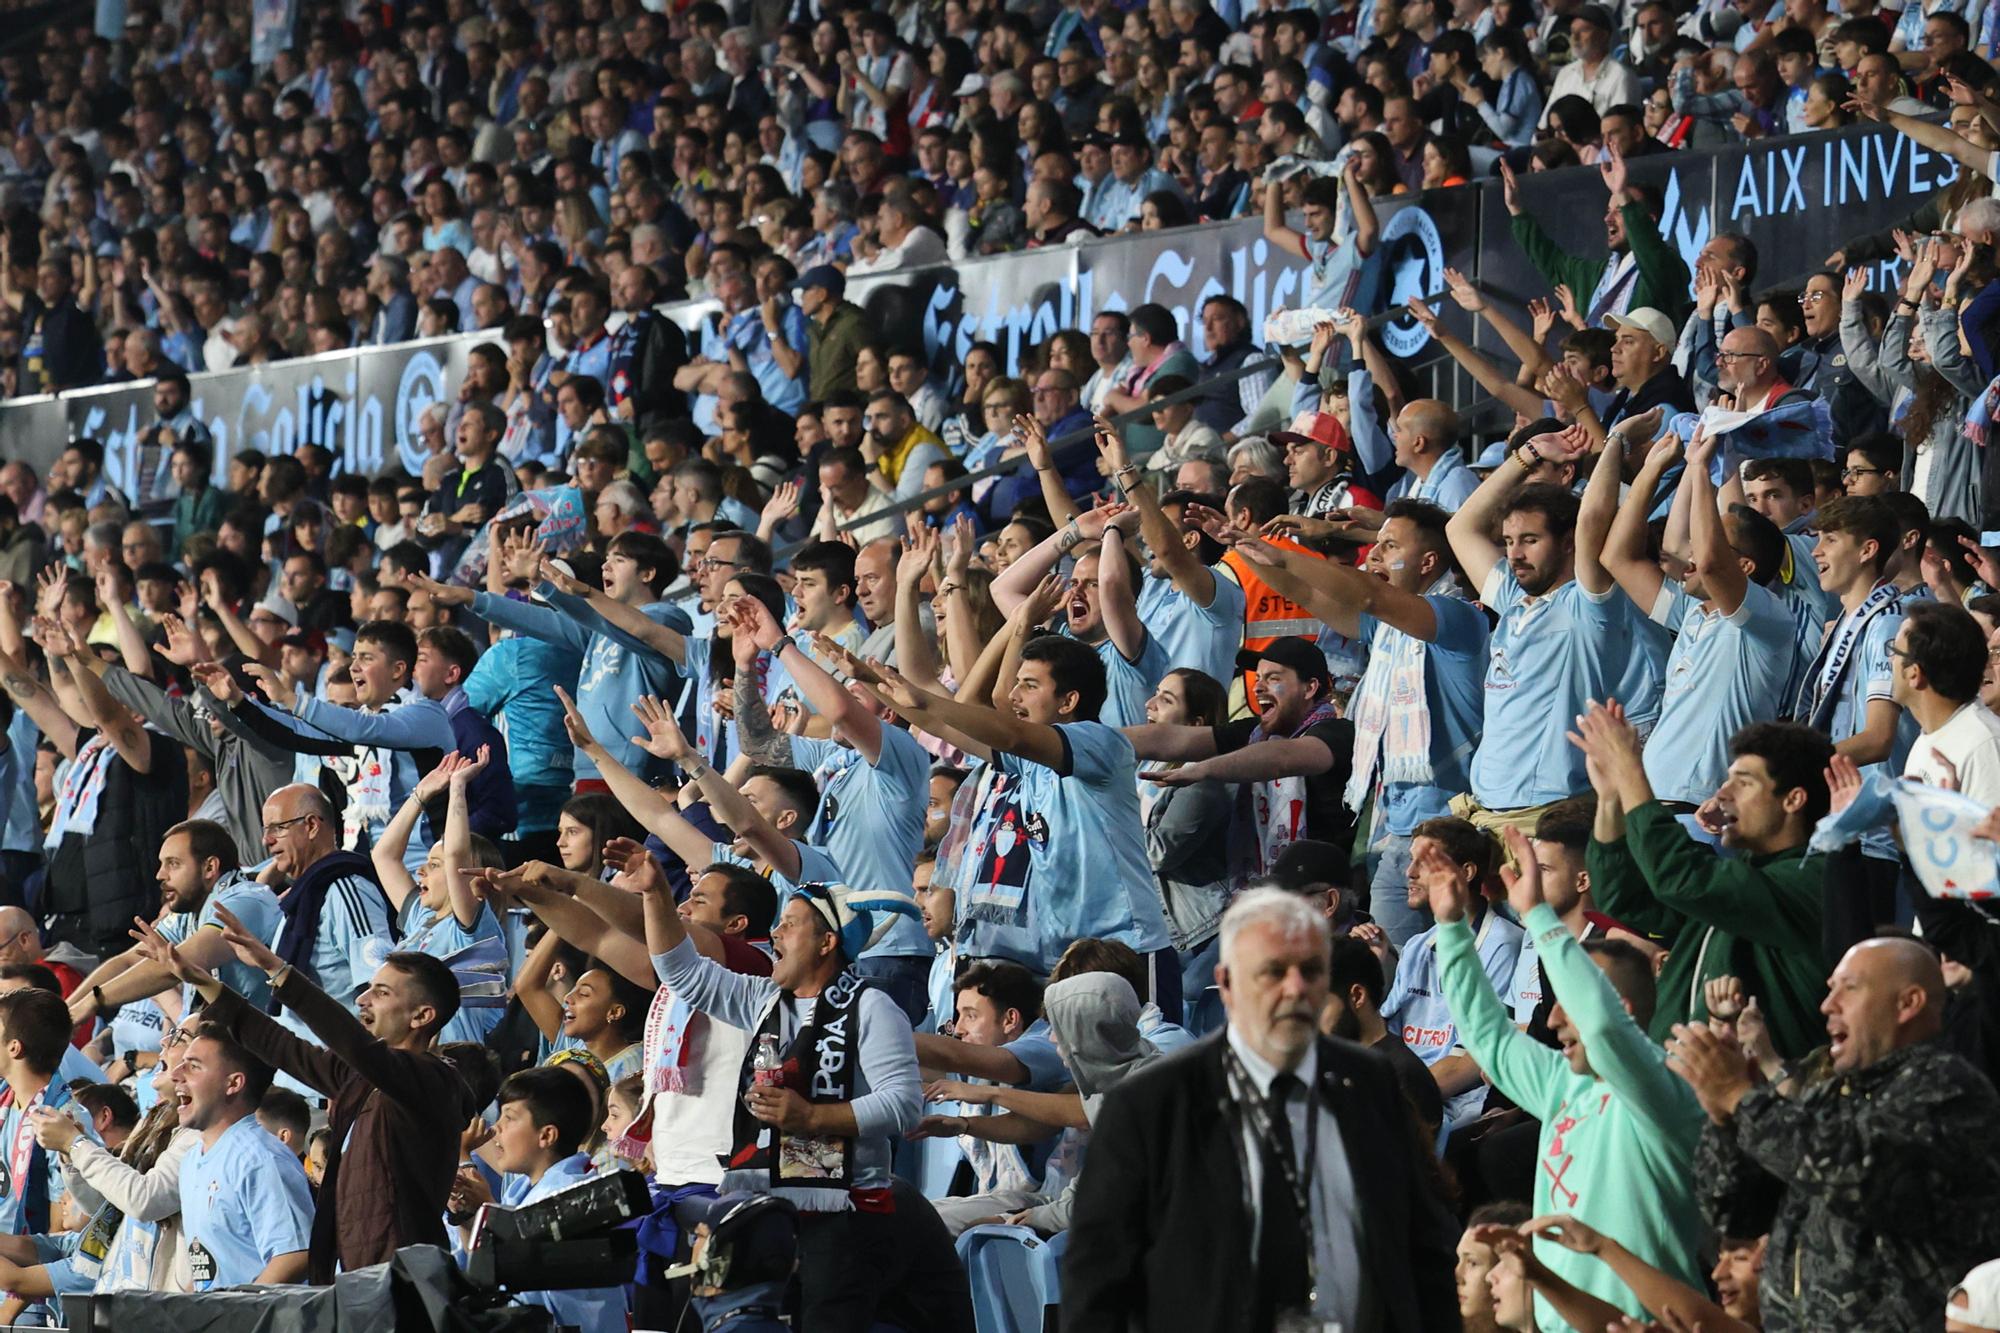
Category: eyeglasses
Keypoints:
(1850, 473)
(271, 830)
(1814, 298)
(1739, 356)
(1902, 654)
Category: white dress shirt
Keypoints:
(1335, 1223)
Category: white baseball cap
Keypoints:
(1975, 1302)
(1653, 323)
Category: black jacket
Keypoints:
(1159, 1240)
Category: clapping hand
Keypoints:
(1714, 1066)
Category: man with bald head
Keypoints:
(336, 924)
(1747, 370)
(1888, 1173)
(21, 942)
(875, 593)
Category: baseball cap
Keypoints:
(1597, 14)
(1094, 139)
(279, 607)
(1314, 428)
(973, 85)
(1291, 652)
(1976, 1301)
(1305, 863)
(311, 640)
(1492, 456)
(1655, 324)
(342, 639)
(826, 277)
(1131, 141)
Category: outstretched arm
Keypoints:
(1033, 741)
(1593, 521)
(1341, 594)
(665, 739)
(647, 806)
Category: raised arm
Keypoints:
(1341, 594)
(1624, 555)
(1116, 593)
(665, 739)
(1168, 544)
(1593, 520)
(1667, 1298)
(387, 853)
(1021, 577)
(1034, 741)
(1471, 529)
(633, 623)
(455, 848)
(111, 718)
(651, 809)
(825, 695)
(1714, 558)
(531, 984)
(916, 652)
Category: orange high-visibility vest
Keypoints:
(1267, 613)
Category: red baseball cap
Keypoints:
(1321, 428)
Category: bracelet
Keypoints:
(1129, 467)
(1532, 452)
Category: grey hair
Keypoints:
(625, 495)
(1290, 913)
(1262, 455)
(1982, 215)
(108, 535)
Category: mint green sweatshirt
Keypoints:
(1617, 1148)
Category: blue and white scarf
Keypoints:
(1820, 695)
(82, 790)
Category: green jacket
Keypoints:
(1663, 282)
(1755, 917)
(1617, 1145)
(198, 511)
(832, 347)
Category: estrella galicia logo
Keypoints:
(422, 385)
(1415, 259)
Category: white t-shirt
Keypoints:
(1970, 739)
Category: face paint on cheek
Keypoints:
(1398, 565)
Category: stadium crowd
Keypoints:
(1310, 865)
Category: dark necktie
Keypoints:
(1283, 1271)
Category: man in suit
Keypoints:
(1268, 1172)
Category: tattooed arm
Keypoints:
(39, 703)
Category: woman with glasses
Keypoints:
(1004, 400)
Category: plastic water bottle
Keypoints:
(768, 1068)
(1289, 328)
